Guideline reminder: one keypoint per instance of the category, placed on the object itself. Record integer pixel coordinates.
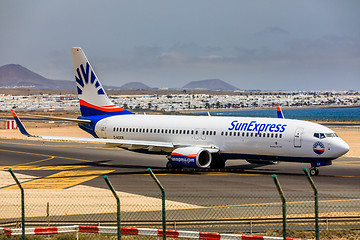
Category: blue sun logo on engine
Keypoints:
(85, 76)
(319, 148)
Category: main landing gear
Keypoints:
(314, 171)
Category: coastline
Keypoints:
(265, 108)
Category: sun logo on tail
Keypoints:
(86, 77)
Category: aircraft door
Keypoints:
(103, 129)
(297, 137)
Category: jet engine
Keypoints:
(193, 157)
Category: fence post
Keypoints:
(22, 204)
(316, 203)
(118, 219)
(283, 203)
(163, 202)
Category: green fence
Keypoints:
(237, 212)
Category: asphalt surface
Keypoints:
(239, 190)
(128, 170)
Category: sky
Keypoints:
(252, 44)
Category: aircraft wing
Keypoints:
(129, 144)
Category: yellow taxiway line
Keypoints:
(61, 180)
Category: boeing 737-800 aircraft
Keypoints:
(197, 141)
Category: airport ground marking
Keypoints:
(43, 160)
(62, 180)
(39, 168)
(61, 146)
(46, 155)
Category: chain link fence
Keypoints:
(235, 213)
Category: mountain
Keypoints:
(17, 76)
(210, 84)
(135, 86)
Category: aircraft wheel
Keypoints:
(314, 171)
(169, 165)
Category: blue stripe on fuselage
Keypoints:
(90, 127)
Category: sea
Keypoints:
(314, 114)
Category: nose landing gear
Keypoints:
(314, 171)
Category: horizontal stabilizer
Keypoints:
(60, 118)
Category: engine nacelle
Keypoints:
(194, 157)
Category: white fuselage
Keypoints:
(236, 137)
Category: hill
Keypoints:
(135, 86)
(16, 76)
(210, 84)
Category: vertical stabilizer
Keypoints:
(92, 96)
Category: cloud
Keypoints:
(272, 31)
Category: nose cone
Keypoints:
(342, 147)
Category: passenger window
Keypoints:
(272, 135)
(214, 133)
(243, 134)
(230, 133)
(192, 132)
(268, 135)
(276, 135)
(226, 133)
(280, 135)
(251, 134)
(222, 133)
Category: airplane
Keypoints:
(196, 141)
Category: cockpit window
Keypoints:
(331, 134)
(324, 135)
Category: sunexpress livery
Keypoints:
(197, 141)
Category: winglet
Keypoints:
(20, 125)
(279, 111)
